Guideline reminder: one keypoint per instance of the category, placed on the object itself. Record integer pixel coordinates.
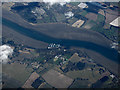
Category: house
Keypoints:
(115, 22)
(78, 23)
(69, 14)
(82, 5)
(112, 76)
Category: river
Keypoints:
(112, 54)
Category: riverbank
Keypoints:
(22, 39)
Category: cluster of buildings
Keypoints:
(35, 65)
(53, 45)
(60, 57)
(38, 11)
(114, 45)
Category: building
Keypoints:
(115, 22)
(112, 76)
(38, 11)
(101, 12)
(82, 5)
(69, 14)
(78, 23)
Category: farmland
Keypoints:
(31, 79)
(58, 79)
(11, 70)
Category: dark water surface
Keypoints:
(107, 52)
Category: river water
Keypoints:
(109, 53)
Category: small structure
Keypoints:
(112, 76)
(51, 46)
(78, 23)
(35, 65)
(25, 3)
(82, 5)
(101, 12)
(56, 58)
(69, 14)
(114, 45)
(116, 22)
(38, 11)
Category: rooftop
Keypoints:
(82, 5)
(69, 14)
(115, 22)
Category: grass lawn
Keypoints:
(34, 53)
(89, 24)
(100, 18)
(109, 33)
(72, 20)
(84, 13)
(46, 67)
(67, 56)
(75, 58)
(59, 17)
(93, 76)
(40, 58)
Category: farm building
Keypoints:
(82, 5)
(116, 22)
(78, 23)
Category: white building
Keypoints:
(116, 22)
(114, 45)
(112, 76)
(82, 5)
(69, 14)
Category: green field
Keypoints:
(84, 13)
(109, 33)
(100, 18)
(59, 17)
(80, 84)
(89, 24)
(92, 76)
(75, 58)
(72, 20)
